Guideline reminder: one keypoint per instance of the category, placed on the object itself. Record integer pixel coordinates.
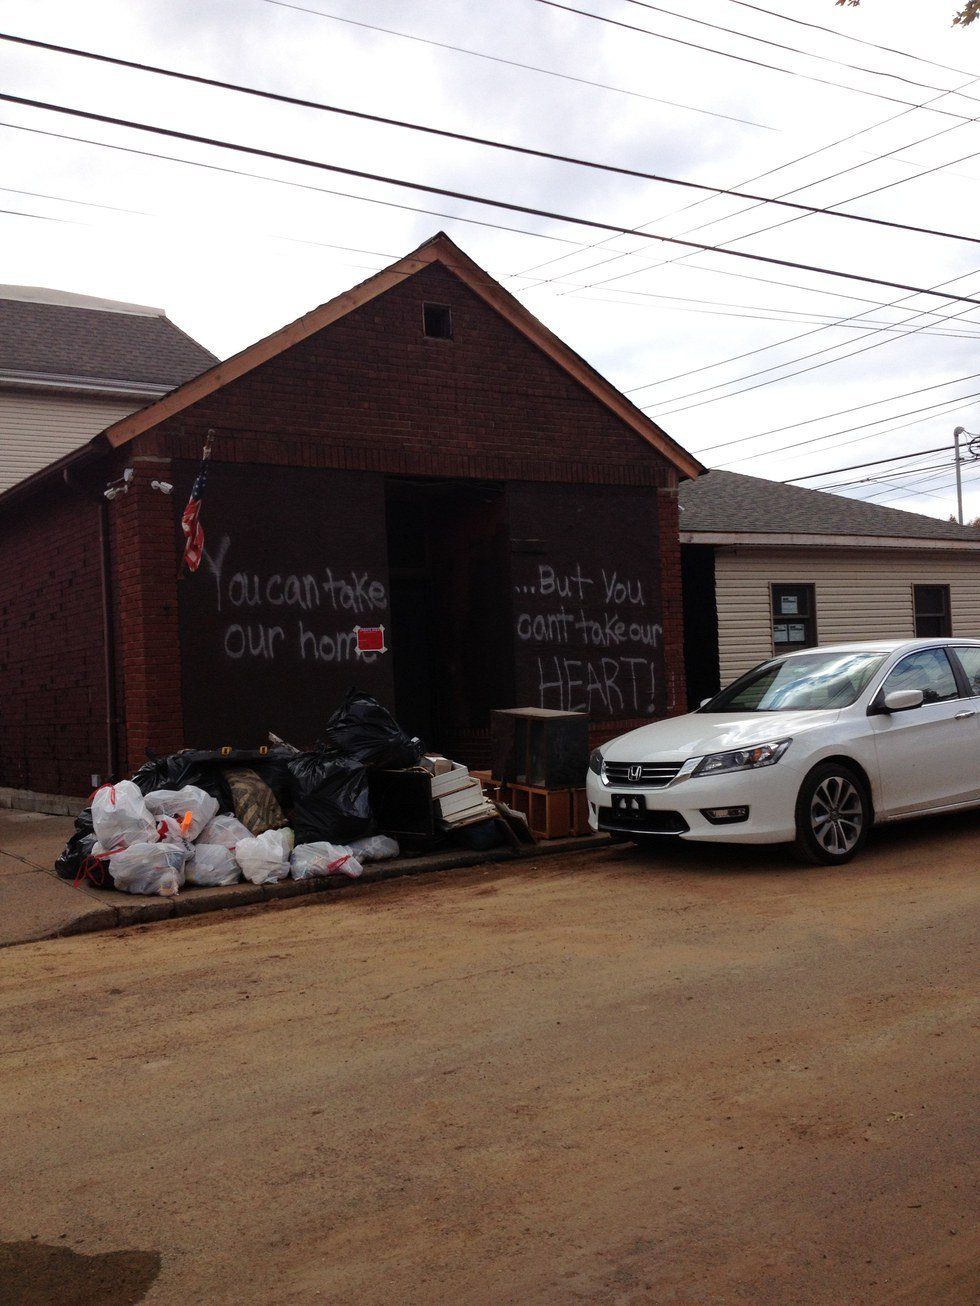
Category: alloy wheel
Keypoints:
(836, 815)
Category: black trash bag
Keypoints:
(77, 849)
(363, 729)
(330, 797)
(185, 768)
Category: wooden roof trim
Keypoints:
(440, 249)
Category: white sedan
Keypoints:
(812, 748)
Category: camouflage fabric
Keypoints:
(256, 806)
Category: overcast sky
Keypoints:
(232, 258)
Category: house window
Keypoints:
(794, 617)
(437, 321)
(931, 603)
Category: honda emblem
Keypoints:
(635, 773)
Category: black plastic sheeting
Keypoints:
(330, 797)
(363, 729)
(324, 792)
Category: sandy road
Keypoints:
(712, 1078)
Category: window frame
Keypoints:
(960, 671)
(442, 308)
(946, 616)
(876, 704)
(809, 619)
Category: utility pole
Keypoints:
(974, 450)
(959, 477)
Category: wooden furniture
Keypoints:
(551, 813)
(540, 747)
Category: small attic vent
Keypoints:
(437, 321)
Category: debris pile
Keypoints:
(212, 817)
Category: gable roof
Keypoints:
(439, 249)
(52, 339)
(721, 503)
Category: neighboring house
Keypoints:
(770, 567)
(71, 365)
(420, 453)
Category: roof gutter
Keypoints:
(97, 447)
(145, 391)
(760, 539)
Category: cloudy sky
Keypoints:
(765, 369)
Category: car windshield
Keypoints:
(801, 683)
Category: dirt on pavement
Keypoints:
(709, 1076)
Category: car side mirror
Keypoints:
(903, 700)
(705, 700)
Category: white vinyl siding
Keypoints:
(861, 594)
(38, 429)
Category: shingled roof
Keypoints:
(728, 503)
(52, 336)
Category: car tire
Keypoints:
(833, 815)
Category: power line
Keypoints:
(405, 184)
(895, 475)
(847, 36)
(784, 222)
(843, 140)
(877, 462)
(467, 138)
(296, 185)
(863, 426)
(842, 412)
(754, 313)
(740, 58)
(41, 217)
(793, 49)
(804, 357)
(514, 63)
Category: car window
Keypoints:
(805, 682)
(970, 662)
(929, 670)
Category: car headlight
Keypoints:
(595, 761)
(742, 759)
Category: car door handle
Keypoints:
(962, 716)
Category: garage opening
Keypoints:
(449, 571)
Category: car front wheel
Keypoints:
(833, 814)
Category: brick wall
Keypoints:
(371, 393)
(145, 557)
(368, 393)
(52, 704)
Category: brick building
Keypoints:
(419, 453)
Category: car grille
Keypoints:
(653, 775)
(642, 822)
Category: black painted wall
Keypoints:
(586, 599)
(295, 558)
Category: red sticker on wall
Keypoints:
(370, 639)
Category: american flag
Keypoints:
(190, 522)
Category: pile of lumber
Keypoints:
(457, 796)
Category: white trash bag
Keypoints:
(211, 864)
(224, 830)
(178, 802)
(121, 817)
(323, 859)
(264, 858)
(375, 848)
(169, 831)
(149, 868)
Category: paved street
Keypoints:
(713, 1077)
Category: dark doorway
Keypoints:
(700, 623)
(448, 561)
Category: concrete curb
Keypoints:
(26, 800)
(115, 910)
